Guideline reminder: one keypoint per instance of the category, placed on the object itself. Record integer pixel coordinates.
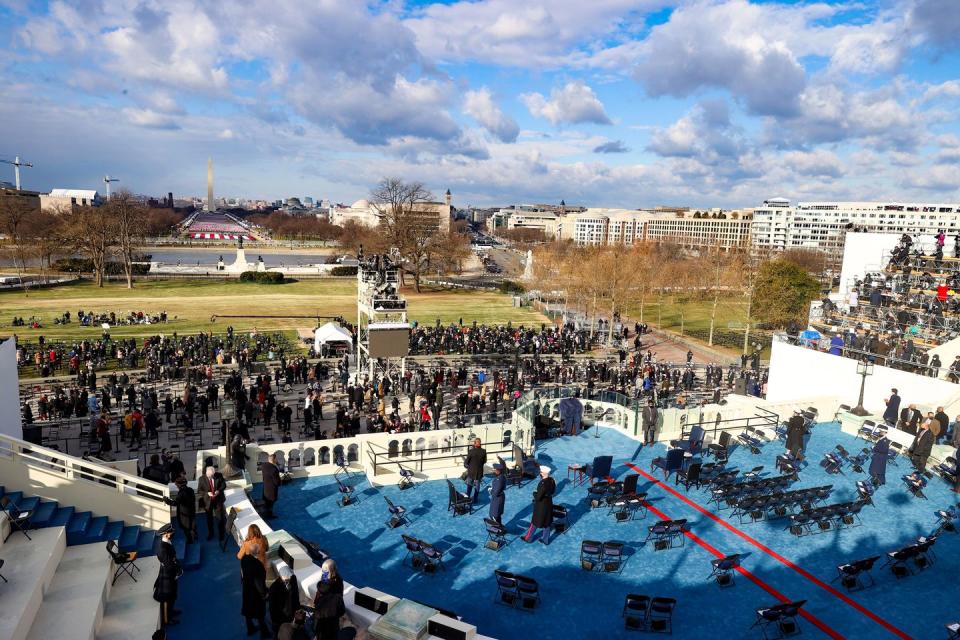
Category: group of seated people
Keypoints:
(33, 322)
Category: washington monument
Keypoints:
(210, 206)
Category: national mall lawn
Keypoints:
(189, 305)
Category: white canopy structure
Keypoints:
(331, 332)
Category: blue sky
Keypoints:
(622, 103)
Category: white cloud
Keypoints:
(573, 103)
(534, 33)
(150, 119)
(226, 134)
(821, 163)
(479, 105)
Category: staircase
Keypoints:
(83, 527)
(61, 580)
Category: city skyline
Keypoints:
(614, 103)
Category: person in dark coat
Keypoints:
(328, 603)
(914, 420)
(795, 432)
(165, 587)
(211, 487)
(893, 408)
(186, 509)
(649, 417)
(921, 447)
(271, 484)
(474, 462)
(295, 629)
(498, 493)
(542, 506)
(878, 461)
(253, 580)
(284, 598)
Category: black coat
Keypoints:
(165, 587)
(284, 600)
(543, 502)
(476, 458)
(498, 496)
(893, 407)
(795, 433)
(328, 602)
(203, 488)
(271, 480)
(922, 444)
(878, 460)
(253, 579)
(186, 507)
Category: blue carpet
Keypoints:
(578, 604)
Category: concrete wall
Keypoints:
(797, 373)
(10, 423)
(53, 476)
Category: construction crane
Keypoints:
(17, 163)
(107, 180)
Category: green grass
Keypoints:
(690, 314)
(191, 303)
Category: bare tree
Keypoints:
(128, 219)
(407, 224)
(15, 216)
(91, 232)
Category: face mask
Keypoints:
(325, 576)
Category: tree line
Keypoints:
(115, 230)
(772, 290)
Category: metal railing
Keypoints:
(71, 469)
(416, 457)
(764, 418)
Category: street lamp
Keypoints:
(864, 369)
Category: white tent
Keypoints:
(331, 332)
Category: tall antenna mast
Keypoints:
(17, 163)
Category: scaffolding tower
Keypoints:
(383, 332)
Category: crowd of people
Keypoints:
(500, 339)
(894, 317)
(163, 357)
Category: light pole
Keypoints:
(864, 369)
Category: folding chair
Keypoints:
(414, 551)
(406, 477)
(496, 534)
(689, 476)
(507, 590)
(457, 502)
(612, 556)
(660, 619)
(398, 515)
(723, 569)
(899, 561)
(19, 520)
(916, 482)
(125, 561)
(529, 592)
(720, 449)
(591, 554)
(851, 574)
(346, 494)
(432, 557)
(752, 439)
(636, 609)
